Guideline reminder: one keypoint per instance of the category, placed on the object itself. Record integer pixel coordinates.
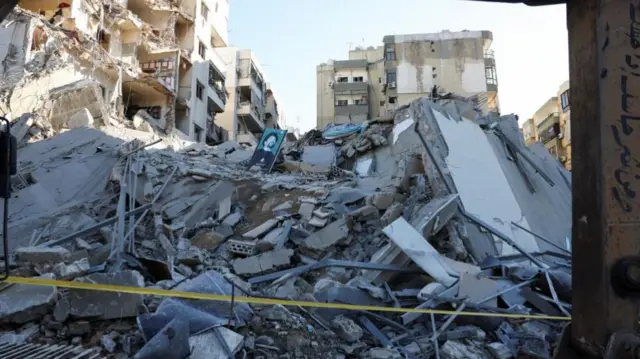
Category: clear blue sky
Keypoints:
(291, 37)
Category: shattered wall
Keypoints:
(14, 39)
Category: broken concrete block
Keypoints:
(383, 353)
(453, 349)
(269, 241)
(172, 342)
(327, 236)
(318, 222)
(207, 239)
(199, 172)
(81, 118)
(382, 200)
(364, 213)
(224, 208)
(243, 248)
(347, 329)
(73, 270)
(21, 303)
(283, 206)
(306, 210)
(263, 262)
(232, 219)
(261, 229)
(41, 255)
(207, 345)
(391, 214)
(499, 351)
(107, 305)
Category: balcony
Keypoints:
(216, 89)
(358, 109)
(216, 39)
(248, 113)
(350, 88)
(163, 70)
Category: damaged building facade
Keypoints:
(148, 64)
(376, 81)
(252, 105)
(551, 126)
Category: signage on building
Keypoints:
(550, 133)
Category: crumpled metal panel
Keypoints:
(41, 351)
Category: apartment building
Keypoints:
(551, 126)
(529, 131)
(142, 61)
(377, 80)
(459, 62)
(251, 106)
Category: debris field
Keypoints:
(435, 207)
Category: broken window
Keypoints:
(199, 90)
(390, 53)
(358, 79)
(564, 100)
(204, 11)
(197, 133)
(341, 102)
(393, 99)
(202, 50)
(391, 78)
(343, 79)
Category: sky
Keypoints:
(291, 37)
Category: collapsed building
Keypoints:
(435, 207)
(138, 64)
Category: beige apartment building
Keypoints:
(551, 126)
(376, 81)
(252, 106)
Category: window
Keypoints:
(391, 77)
(204, 11)
(341, 103)
(490, 75)
(216, 6)
(564, 100)
(343, 79)
(393, 99)
(390, 53)
(202, 50)
(358, 79)
(381, 103)
(199, 90)
(198, 133)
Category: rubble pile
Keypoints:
(435, 208)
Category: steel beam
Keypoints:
(604, 58)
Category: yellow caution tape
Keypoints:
(259, 300)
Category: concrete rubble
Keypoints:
(435, 207)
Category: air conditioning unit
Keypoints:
(392, 85)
